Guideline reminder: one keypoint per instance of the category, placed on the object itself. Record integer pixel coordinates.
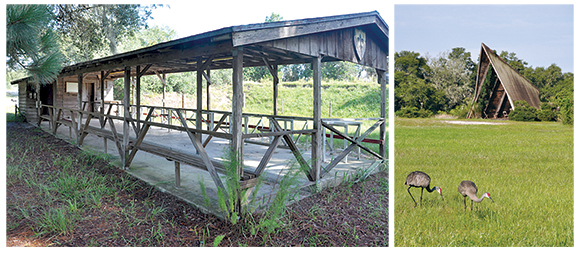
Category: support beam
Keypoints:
(126, 115)
(351, 146)
(383, 149)
(138, 97)
(177, 174)
(201, 66)
(116, 139)
(102, 93)
(208, 139)
(208, 78)
(208, 164)
(83, 132)
(348, 138)
(273, 71)
(317, 115)
(267, 156)
(290, 143)
(77, 127)
(56, 125)
(164, 82)
(237, 110)
(141, 136)
(199, 111)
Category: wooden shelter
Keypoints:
(507, 85)
(360, 38)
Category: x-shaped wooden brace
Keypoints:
(355, 143)
(290, 143)
(199, 147)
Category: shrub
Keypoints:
(548, 112)
(413, 112)
(523, 112)
(460, 111)
(566, 114)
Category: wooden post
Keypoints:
(208, 95)
(209, 114)
(383, 113)
(275, 89)
(317, 115)
(273, 71)
(237, 109)
(79, 124)
(164, 82)
(199, 111)
(177, 174)
(138, 97)
(102, 104)
(126, 115)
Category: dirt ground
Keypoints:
(347, 215)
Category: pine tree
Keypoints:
(30, 43)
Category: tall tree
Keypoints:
(274, 17)
(410, 63)
(514, 61)
(147, 37)
(260, 72)
(30, 42)
(411, 89)
(451, 74)
(90, 31)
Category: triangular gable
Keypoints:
(515, 85)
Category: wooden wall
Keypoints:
(26, 102)
(338, 44)
(70, 100)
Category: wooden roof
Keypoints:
(284, 42)
(516, 86)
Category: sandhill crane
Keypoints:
(422, 180)
(468, 188)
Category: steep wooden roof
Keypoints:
(516, 86)
(284, 42)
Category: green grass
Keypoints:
(526, 167)
(339, 100)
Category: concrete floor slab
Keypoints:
(197, 186)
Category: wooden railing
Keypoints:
(216, 124)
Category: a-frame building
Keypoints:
(508, 86)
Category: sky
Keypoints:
(194, 18)
(539, 34)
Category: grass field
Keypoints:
(357, 99)
(526, 167)
(339, 100)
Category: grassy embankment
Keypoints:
(339, 100)
(526, 167)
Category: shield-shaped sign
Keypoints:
(359, 43)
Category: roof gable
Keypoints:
(515, 85)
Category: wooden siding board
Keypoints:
(305, 45)
(336, 44)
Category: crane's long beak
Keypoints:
(491, 199)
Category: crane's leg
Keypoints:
(465, 204)
(421, 191)
(411, 196)
(471, 202)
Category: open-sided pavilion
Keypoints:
(360, 38)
